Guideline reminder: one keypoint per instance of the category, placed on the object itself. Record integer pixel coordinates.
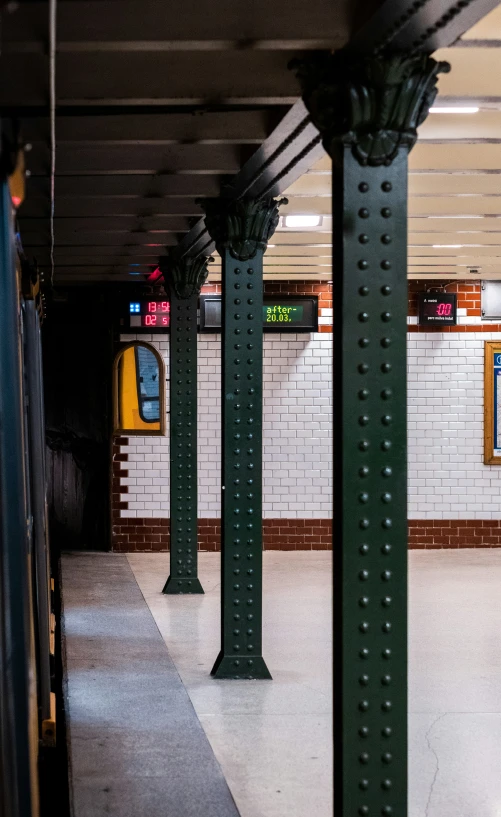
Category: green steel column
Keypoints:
(184, 278)
(241, 231)
(367, 111)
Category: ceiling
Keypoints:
(454, 181)
(159, 103)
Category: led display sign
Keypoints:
(290, 313)
(149, 314)
(437, 309)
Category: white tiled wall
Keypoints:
(297, 426)
(297, 433)
(447, 476)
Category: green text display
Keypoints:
(281, 313)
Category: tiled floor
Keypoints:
(273, 739)
(137, 748)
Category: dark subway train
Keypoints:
(27, 620)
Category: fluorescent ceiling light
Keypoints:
(446, 246)
(302, 221)
(419, 246)
(453, 216)
(454, 109)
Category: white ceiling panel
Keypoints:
(474, 72)
(487, 29)
(450, 156)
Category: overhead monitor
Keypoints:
(286, 313)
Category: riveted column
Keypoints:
(184, 278)
(367, 111)
(241, 231)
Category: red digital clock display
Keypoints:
(444, 309)
(158, 313)
(437, 309)
(151, 314)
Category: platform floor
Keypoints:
(137, 748)
(272, 740)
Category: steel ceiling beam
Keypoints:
(425, 25)
(137, 159)
(249, 126)
(139, 78)
(183, 24)
(132, 207)
(137, 185)
(35, 241)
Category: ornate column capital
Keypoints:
(373, 103)
(243, 226)
(186, 275)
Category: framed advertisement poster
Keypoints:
(492, 403)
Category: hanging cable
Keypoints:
(52, 80)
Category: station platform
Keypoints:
(151, 732)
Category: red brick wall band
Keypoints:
(469, 296)
(426, 534)
(152, 535)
